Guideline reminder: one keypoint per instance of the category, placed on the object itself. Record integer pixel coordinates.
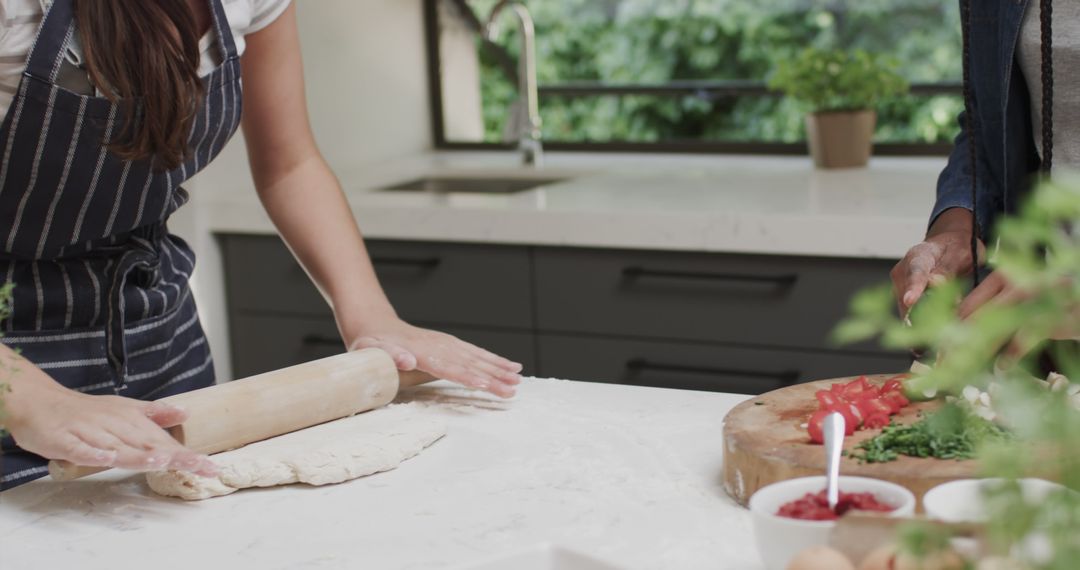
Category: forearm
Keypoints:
(310, 211)
(24, 381)
(955, 219)
(954, 185)
(306, 204)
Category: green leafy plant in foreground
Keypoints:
(1039, 252)
(837, 80)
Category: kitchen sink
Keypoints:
(472, 185)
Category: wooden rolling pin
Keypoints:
(234, 414)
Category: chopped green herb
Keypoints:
(951, 433)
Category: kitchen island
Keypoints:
(630, 476)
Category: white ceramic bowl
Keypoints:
(779, 538)
(961, 500)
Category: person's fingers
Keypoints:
(199, 464)
(161, 450)
(990, 288)
(160, 444)
(73, 449)
(497, 366)
(146, 446)
(503, 363)
(139, 432)
(898, 275)
(404, 359)
(471, 377)
(501, 390)
(128, 457)
(455, 372)
(207, 468)
(163, 414)
(495, 359)
(923, 259)
(496, 373)
(1011, 295)
(916, 285)
(913, 292)
(488, 374)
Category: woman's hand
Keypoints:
(96, 431)
(996, 289)
(442, 356)
(946, 253)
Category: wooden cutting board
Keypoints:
(765, 442)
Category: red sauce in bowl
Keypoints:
(815, 506)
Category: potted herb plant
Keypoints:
(841, 89)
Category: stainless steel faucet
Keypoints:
(526, 117)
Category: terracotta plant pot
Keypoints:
(840, 139)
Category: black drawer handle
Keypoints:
(322, 340)
(417, 262)
(784, 377)
(784, 280)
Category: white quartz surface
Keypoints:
(629, 475)
(745, 204)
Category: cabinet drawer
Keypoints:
(689, 366)
(789, 301)
(261, 343)
(264, 343)
(435, 283)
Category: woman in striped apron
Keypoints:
(103, 317)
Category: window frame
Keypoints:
(707, 89)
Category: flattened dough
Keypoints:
(337, 451)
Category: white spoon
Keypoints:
(834, 445)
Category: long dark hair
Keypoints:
(145, 54)
(1047, 80)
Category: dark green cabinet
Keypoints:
(722, 322)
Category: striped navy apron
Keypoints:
(101, 300)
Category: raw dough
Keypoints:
(329, 453)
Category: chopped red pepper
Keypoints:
(862, 404)
(893, 385)
(877, 421)
(827, 399)
(896, 400)
(816, 426)
(856, 387)
(815, 506)
(872, 406)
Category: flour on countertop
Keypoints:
(614, 467)
(333, 452)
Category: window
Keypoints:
(686, 75)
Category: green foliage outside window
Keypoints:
(661, 41)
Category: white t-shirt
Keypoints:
(21, 19)
(1066, 31)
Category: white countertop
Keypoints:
(629, 475)
(719, 203)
